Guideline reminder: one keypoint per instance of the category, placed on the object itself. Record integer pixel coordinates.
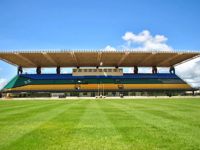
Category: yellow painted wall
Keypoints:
(102, 86)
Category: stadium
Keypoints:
(99, 75)
(96, 73)
(98, 105)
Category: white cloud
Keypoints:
(190, 72)
(3, 82)
(139, 38)
(145, 41)
(109, 48)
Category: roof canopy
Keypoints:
(96, 58)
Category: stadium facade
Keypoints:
(96, 73)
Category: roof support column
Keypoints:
(135, 70)
(19, 70)
(58, 70)
(38, 70)
(154, 70)
(172, 70)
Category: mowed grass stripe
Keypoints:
(170, 110)
(14, 111)
(7, 108)
(95, 131)
(183, 135)
(176, 103)
(26, 123)
(129, 127)
(20, 104)
(55, 133)
(17, 115)
(185, 114)
(147, 134)
(137, 133)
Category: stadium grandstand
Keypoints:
(96, 73)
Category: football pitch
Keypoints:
(100, 124)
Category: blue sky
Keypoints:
(92, 24)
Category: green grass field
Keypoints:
(100, 124)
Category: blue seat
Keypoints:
(125, 76)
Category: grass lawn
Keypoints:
(100, 124)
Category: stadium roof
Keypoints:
(29, 59)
